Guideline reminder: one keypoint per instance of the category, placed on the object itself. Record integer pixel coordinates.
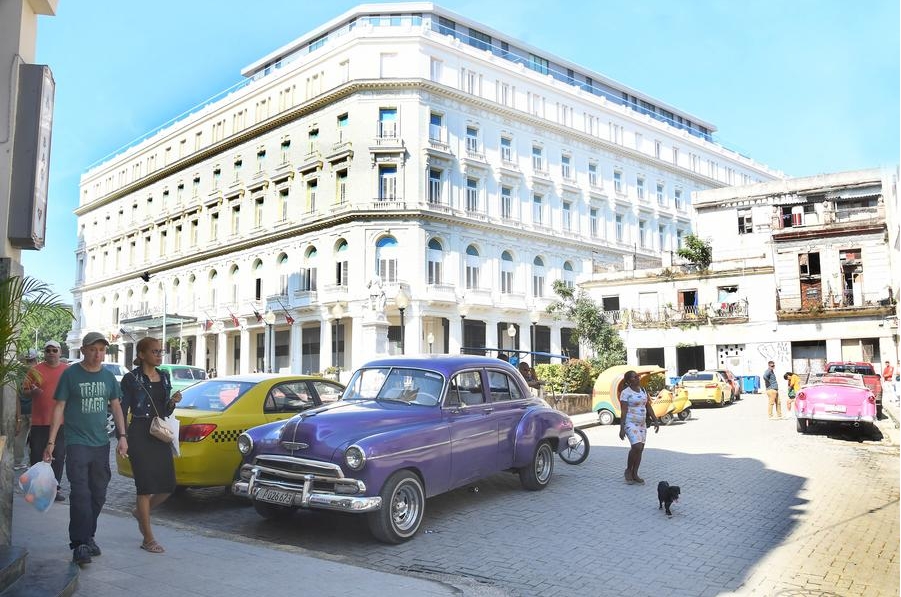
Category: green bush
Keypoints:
(655, 383)
(574, 377)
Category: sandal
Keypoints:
(629, 479)
(152, 547)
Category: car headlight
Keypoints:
(245, 444)
(354, 458)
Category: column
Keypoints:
(244, 360)
(556, 345)
(200, 350)
(326, 354)
(414, 337)
(222, 353)
(296, 344)
(456, 334)
(491, 338)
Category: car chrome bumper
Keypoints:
(837, 417)
(305, 497)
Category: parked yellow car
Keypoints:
(707, 386)
(214, 412)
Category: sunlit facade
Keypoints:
(464, 169)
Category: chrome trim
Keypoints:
(305, 497)
(294, 445)
(836, 418)
(330, 469)
(416, 449)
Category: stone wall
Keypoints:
(571, 404)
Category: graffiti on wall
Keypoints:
(778, 352)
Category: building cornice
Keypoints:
(646, 277)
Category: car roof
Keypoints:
(258, 377)
(176, 366)
(444, 364)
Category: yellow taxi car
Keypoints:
(707, 386)
(213, 413)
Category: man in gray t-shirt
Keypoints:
(771, 384)
(84, 393)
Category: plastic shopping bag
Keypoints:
(39, 486)
(174, 425)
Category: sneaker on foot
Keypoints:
(20, 467)
(81, 554)
(92, 545)
(60, 497)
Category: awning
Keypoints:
(156, 321)
(859, 193)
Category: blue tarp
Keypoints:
(750, 384)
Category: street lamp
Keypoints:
(430, 338)
(269, 319)
(402, 300)
(511, 331)
(464, 311)
(337, 314)
(534, 317)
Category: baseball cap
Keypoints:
(93, 338)
(31, 355)
(51, 343)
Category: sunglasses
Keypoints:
(157, 352)
(51, 350)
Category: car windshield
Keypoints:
(697, 377)
(215, 394)
(843, 380)
(861, 369)
(188, 374)
(396, 384)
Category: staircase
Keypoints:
(21, 576)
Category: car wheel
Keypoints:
(537, 475)
(403, 506)
(666, 419)
(685, 414)
(722, 401)
(273, 511)
(576, 454)
(605, 417)
(110, 424)
(803, 425)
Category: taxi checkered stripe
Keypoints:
(226, 435)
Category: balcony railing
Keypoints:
(813, 305)
(669, 316)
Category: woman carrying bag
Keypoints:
(146, 395)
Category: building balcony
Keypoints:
(330, 293)
(441, 293)
(812, 306)
(680, 316)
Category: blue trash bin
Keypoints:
(673, 381)
(750, 384)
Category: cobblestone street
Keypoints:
(764, 511)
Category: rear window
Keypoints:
(861, 369)
(697, 377)
(187, 374)
(216, 395)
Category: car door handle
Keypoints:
(488, 410)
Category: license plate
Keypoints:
(275, 496)
(835, 408)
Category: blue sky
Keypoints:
(803, 86)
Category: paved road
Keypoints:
(764, 511)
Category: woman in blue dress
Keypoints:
(635, 407)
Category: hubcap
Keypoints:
(543, 464)
(405, 507)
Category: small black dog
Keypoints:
(667, 494)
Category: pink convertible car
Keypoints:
(836, 398)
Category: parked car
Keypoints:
(836, 398)
(734, 382)
(212, 413)
(871, 378)
(183, 376)
(406, 429)
(707, 386)
(667, 404)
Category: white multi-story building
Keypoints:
(467, 170)
(805, 271)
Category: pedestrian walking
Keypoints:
(146, 394)
(772, 391)
(635, 406)
(40, 383)
(21, 452)
(84, 393)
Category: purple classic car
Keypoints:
(406, 428)
(837, 398)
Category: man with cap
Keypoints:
(85, 391)
(23, 415)
(40, 385)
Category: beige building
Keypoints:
(805, 271)
(461, 169)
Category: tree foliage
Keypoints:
(697, 251)
(49, 323)
(23, 301)
(591, 325)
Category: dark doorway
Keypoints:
(473, 336)
(689, 357)
(651, 356)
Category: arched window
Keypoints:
(189, 294)
(341, 268)
(386, 250)
(538, 278)
(281, 264)
(235, 278)
(308, 272)
(212, 289)
(258, 280)
(434, 259)
(506, 272)
(174, 299)
(473, 265)
(569, 276)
